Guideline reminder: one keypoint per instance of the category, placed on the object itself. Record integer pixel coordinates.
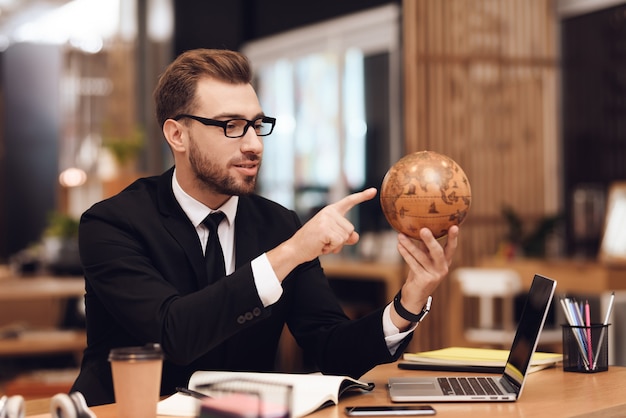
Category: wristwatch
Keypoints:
(409, 316)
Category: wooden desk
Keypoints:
(549, 392)
(36, 343)
(391, 274)
(28, 299)
(41, 287)
(572, 276)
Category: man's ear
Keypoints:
(174, 135)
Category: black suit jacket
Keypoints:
(146, 282)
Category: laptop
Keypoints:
(477, 388)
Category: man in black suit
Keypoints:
(142, 251)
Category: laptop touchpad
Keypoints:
(414, 388)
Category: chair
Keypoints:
(495, 290)
(489, 286)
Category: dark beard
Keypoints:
(210, 176)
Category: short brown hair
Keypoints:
(176, 90)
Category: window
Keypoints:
(333, 88)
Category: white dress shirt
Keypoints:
(267, 284)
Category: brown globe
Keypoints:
(425, 189)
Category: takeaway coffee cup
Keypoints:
(136, 380)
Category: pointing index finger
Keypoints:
(350, 201)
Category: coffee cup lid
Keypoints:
(146, 352)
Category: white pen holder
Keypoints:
(586, 349)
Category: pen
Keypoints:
(192, 393)
(570, 314)
(605, 323)
(588, 329)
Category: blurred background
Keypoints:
(528, 97)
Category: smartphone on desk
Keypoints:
(390, 410)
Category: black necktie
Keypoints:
(213, 255)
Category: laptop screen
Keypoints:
(530, 325)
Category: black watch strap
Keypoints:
(409, 316)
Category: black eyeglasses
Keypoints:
(236, 128)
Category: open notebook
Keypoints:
(507, 387)
(310, 392)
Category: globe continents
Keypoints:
(425, 189)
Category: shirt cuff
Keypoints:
(393, 336)
(265, 280)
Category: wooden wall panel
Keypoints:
(480, 86)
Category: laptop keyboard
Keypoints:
(468, 386)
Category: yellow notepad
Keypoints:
(468, 356)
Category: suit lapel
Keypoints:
(178, 225)
(246, 232)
